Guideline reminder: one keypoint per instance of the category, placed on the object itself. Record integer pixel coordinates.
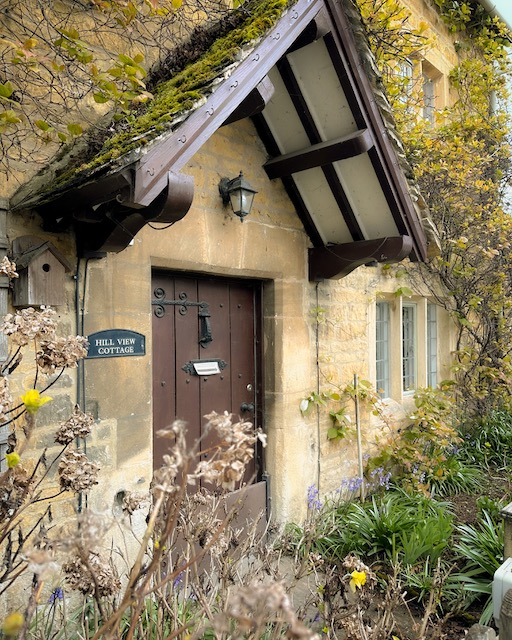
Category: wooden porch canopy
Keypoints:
(305, 86)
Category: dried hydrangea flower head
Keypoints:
(94, 576)
(77, 426)
(55, 353)
(254, 606)
(76, 472)
(133, 501)
(8, 268)
(14, 486)
(29, 324)
(5, 399)
(86, 532)
(41, 562)
(226, 464)
(164, 478)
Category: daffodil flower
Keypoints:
(357, 580)
(33, 400)
(13, 624)
(12, 459)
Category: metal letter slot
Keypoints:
(204, 367)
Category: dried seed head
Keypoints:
(5, 399)
(14, 486)
(133, 501)
(29, 324)
(55, 353)
(92, 576)
(77, 426)
(8, 268)
(76, 472)
(226, 463)
(41, 562)
(253, 607)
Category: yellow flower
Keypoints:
(12, 459)
(33, 400)
(357, 580)
(13, 624)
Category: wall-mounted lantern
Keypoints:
(41, 270)
(239, 193)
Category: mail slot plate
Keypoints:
(204, 367)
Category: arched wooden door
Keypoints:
(206, 355)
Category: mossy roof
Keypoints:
(175, 97)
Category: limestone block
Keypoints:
(481, 632)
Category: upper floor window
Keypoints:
(420, 87)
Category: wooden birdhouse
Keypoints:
(41, 270)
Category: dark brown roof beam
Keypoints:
(383, 148)
(291, 188)
(176, 150)
(337, 261)
(320, 154)
(254, 103)
(313, 32)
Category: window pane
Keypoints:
(431, 345)
(428, 99)
(382, 349)
(409, 347)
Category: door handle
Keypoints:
(247, 406)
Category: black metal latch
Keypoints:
(205, 334)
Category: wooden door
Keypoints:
(205, 355)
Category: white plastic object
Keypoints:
(501, 583)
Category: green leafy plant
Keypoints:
(488, 441)
(480, 547)
(336, 402)
(394, 526)
(453, 476)
(413, 452)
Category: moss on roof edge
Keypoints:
(174, 99)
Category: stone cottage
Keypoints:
(190, 306)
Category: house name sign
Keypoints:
(113, 343)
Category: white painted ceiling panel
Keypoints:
(322, 206)
(282, 118)
(366, 197)
(320, 86)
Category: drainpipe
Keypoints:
(4, 280)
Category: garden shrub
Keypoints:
(488, 441)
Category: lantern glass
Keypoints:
(239, 193)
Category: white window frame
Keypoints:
(432, 345)
(429, 99)
(409, 345)
(382, 349)
(406, 347)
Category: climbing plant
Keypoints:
(64, 65)
(462, 166)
